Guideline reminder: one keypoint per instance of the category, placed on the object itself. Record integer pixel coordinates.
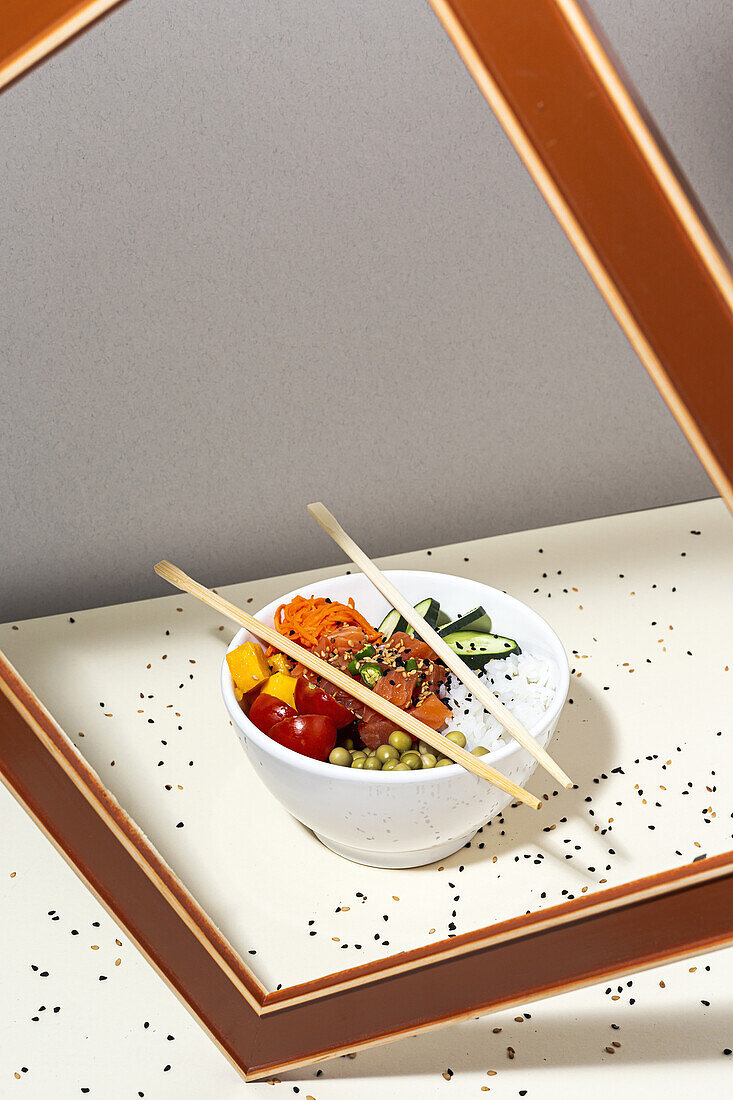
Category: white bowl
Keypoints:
(400, 819)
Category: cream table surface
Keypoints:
(644, 605)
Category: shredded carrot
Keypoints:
(307, 620)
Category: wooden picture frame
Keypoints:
(668, 916)
(615, 189)
(642, 237)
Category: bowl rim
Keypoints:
(357, 775)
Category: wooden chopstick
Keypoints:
(480, 691)
(401, 719)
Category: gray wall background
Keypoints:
(258, 254)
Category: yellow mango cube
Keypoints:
(248, 666)
(282, 687)
(278, 662)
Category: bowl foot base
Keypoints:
(418, 858)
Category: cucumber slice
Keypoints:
(393, 621)
(389, 623)
(476, 620)
(478, 662)
(429, 609)
(443, 619)
(482, 625)
(478, 647)
(431, 612)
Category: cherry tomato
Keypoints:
(267, 710)
(310, 699)
(311, 735)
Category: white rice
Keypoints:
(524, 683)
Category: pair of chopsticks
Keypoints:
(402, 720)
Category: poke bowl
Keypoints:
(376, 804)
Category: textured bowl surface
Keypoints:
(401, 819)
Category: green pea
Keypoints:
(400, 741)
(457, 738)
(480, 750)
(390, 764)
(422, 748)
(412, 759)
(358, 762)
(348, 743)
(400, 768)
(444, 762)
(428, 759)
(387, 752)
(340, 756)
(358, 754)
(372, 764)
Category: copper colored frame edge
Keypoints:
(626, 208)
(640, 924)
(688, 912)
(100, 842)
(31, 31)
